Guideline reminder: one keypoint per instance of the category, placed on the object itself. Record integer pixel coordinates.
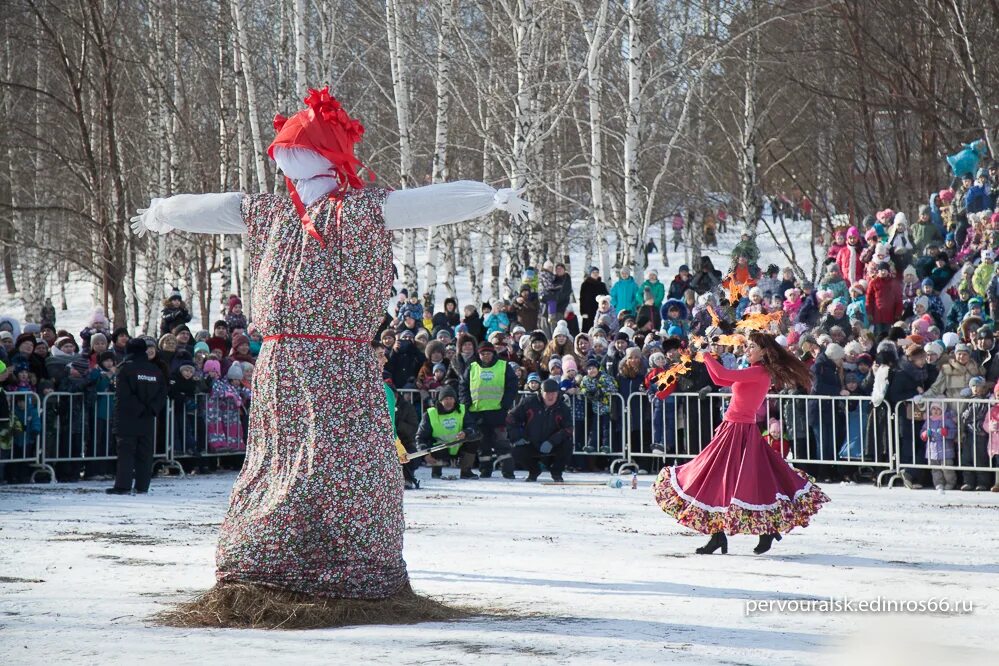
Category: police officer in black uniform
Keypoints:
(140, 396)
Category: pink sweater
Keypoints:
(749, 389)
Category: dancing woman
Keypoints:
(738, 484)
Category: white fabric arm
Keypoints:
(447, 203)
(197, 213)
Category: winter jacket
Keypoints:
(534, 421)
(939, 435)
(510, 389)
(598, 392)
(809, 312)
(527, 312)
(658, 291)
(496, 322)
(977, 199)
(624, 295)
(677, 287)
(884, 301)
(404, 364)
(843, 260)
(173, 316)
(982, 276)
(991, 426)
(924, 233)
(140, 396)
(588, 292)
(953, 379)
(705, 281)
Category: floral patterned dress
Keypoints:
(317, 507)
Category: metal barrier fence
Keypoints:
(71, 429)
(815, 431)
(946, 436)
(21, 443)
(206, 426)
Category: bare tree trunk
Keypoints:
(252, 110)
(439, 171)
(399, 62)
(632, 136)
(301, 76)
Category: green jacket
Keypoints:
(658, 290)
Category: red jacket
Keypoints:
(884, 300)
(843, 261)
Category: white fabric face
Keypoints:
(301, 163)
(309, 170)
(314, 189)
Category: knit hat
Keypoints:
(674, 331)
(554, 361)
(657, 358)
(404, 334)
(80, 364)
(592, 362)
(946, 196)
(977, 381)
(439, 367)
(569, 363)
(533, 377)
(834, 352)
(549, 386)
(539, 336)
(601, 298)
(622, 336)
(921, 300)
(629, 331)
(933, 348)
(486, 346)
(561, 328)
(98, 337)
(135, 346)
(211, 365)
(962, 347)
(853, 348)
(927, 282)
(235, 371)
(201, 348)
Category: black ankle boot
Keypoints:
(718, 540)
(766, 540)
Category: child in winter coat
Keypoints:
(411, 308)
(991, 426)
(775, 438)
(234, 317)
(222, 413)
(974, 444)
(939, 433)
(839, 242)
(546, 289)
(792, 303)
(983, 274)
(184, 390)
(497, 321)
(569, 384)
(597, 387)
(658, 398)
(834, 282)
(857, 413)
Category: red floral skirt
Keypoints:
(738, 485)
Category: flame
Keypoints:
(670, 375)
(760, 321)
(715, 319)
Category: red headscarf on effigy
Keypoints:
(325, 128)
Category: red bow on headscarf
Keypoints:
(325, 128)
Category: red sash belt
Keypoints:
(303, 336)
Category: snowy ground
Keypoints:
(600, 575)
